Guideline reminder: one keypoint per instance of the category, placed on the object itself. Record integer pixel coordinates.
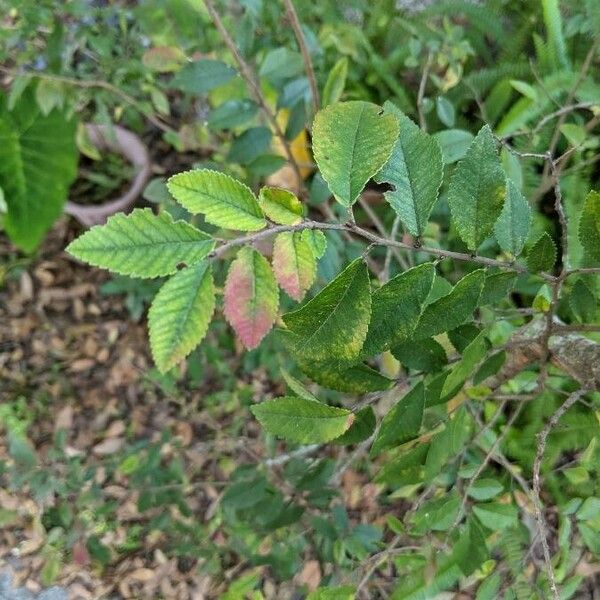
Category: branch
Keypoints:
(308, 66)
(537, 503)
(247, 75)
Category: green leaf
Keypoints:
(512, 227)
(294, 264)
(445, 111)
(38, 163)
(403, 422)
(224, 201)
(422, 355)
(317, 241)
(484, 489)
(355, 379)
(415, 172)
(454, 144)
(180, 314)
(497, 286)
(361, 429)
(333, 325)
(303, 421)
(351, 142)
(49, 94)
(542, 254)
(496, 516)
(336, 81)
(470, 552)
(452, 310)
(281, 206)
(250, 145)
(339, 593)
(232, 113)
(477, 190)
(589, 225)
(297, 387)
(583, 302)
(163, 59)
(142, 244)
(201, 76)
(472, 356)
(396, 307)
(251, 297)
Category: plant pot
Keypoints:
(130, 146)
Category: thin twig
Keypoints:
(421, 92)
(308, 66)
(248, 76)
(537, 465)
(388, 254)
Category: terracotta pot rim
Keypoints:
(130, 146)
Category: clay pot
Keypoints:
(127, 144)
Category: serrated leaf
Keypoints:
(251, 297)
(422, 355)
(303, 421)
(403, 422)
(180, 314)
(362, 427)
(351, 142)
(396, 307)
(294, 264)
(512, 227)
(497, 286)
(317, 241)
(142, 244)
(415, 171)
(477, 190)
(38, 163)
(452, 310)
(336, 80)
(224, 201)
(589, 225)
(333, 325)
(583, 302)
(355, 379)
(542, 254)
(281, 206)
(297, 387)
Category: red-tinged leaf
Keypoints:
(294, 264)
(251, 297)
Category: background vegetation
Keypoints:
(127, 477)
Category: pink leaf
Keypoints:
(294, 264)
(251, 297)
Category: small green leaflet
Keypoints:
(297, 387)
(473, 354)
(542, 254)
(317, 241)
(512, 227)
(583, 302)
(496, 516)
(452, 310)
(333, 325)
(224, 201)
(589, 226)
(454, 144)
(351, 142)
(303, 421)
(280, 206)
(294, 264)
(251, 297)
(362, 427)
(484, 489)
(403, 422)
(336, 80)
(477, 190)
(396, 308)
(201, 76)
(142, 244)
(180, 315)
(415, 171)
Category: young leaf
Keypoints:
(333, 325)
(351, 142)
(415, 172)
(452, 310)
(589, 225)
(180, 315)
(251, 297)
(294, 264)
(477, 190)
(542, 255)
(303, 421)
(280, 205)
(224, 201)
(336, 80)
(403, 422)
(512, 227)
(142, 244)
(396, 308)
